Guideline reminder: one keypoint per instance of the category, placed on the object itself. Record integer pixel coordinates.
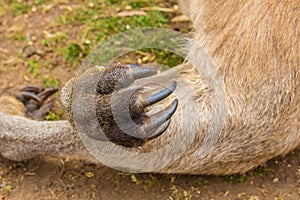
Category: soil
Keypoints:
(55, 178)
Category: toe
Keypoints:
(150, 99)
(161, 117)
(47, 93)
(117, 77)
(25, 96)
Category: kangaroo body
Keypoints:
(236, 116)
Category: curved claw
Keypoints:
(161, 117)
(117, 126)
(31, 88)
(27, 94)
(157, 132)
(160, 95)
(159, 122)
(142, 72)
(43, 110)
(47, 93)
(36, 93)
(23, 96)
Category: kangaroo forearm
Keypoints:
(23, 138)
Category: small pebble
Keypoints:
(91, 5)
(128, 7)
(275, 180)
(253, 197)
(139, 61)
(33, 9)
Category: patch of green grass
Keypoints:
(200, 182)
(278, 198)
(61, 20)
(106, 27)
(74, 53)
(163, 57)
(97, 23)
(97, 20)
(3, 9)
(138, 4)
(50, 82)
(135, 180)
(7, 189)
(261, 171)
(20, 7)
(167, 58)
(58, 38)
(152, 182)
(52, 116)
(18, 36)
(34, 68)
(45, 42)
(236, 178)
(180, 194)
(39, 2)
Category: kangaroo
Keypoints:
(246, 117)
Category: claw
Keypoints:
(23, 96)
(43, 110)
(159, 118)
(142, 72)
(117, 77)
(159, 122)
(38, 94)
(159, 130)
(47, 93)
(28, 93)
(31, 88)
(162, 94)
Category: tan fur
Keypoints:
(239, 115)
(255, 46)
(11, 106)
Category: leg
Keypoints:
(34, 99)
(123, 112)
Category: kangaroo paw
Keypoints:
(35, 100)
(123, 113)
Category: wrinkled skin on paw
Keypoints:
(122, 111)
(35, 100)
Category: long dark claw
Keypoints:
(43, 110)
(159, 130)
(47, 93)
(161, 117)
(159, 122)
(119, 76)
(142, 72)
(31, 88)
(154, 98)
(25, 96)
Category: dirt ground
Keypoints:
(32, 52)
